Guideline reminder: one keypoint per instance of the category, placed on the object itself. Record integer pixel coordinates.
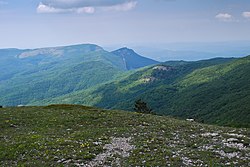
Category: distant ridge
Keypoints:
(60, 50)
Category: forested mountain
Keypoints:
(211, 91)
(33, 75)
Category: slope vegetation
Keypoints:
(69, 135)
(213, 91)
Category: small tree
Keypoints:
(142, 107)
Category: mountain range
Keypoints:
(214, 91)
(31, 75)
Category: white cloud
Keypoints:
(81, 3)
(84, 6)
(122, 7)
(47, 9)
(246, 15)
(224, 17)
(89, 10)
(42, 8)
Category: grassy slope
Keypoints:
(66, 134)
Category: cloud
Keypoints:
(85, 10)
(224, 17)
(246, 15)
(84, 6)
(122, 7)
(47, 9)
(42, 8)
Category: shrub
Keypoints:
(142, 107)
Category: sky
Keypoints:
(44, 23)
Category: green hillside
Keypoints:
(69, 135)
(29, 76)
(9, 64)
(217, 94)
(214, 91)
(51, 80)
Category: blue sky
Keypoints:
(42, 23)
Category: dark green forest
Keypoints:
(214, 91)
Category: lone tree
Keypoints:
(142, 107)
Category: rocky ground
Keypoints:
(66, 135)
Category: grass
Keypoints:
(67, 135)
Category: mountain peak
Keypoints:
(125, 50)
(132, 60)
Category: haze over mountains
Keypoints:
(211, 91)
(193, 51)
